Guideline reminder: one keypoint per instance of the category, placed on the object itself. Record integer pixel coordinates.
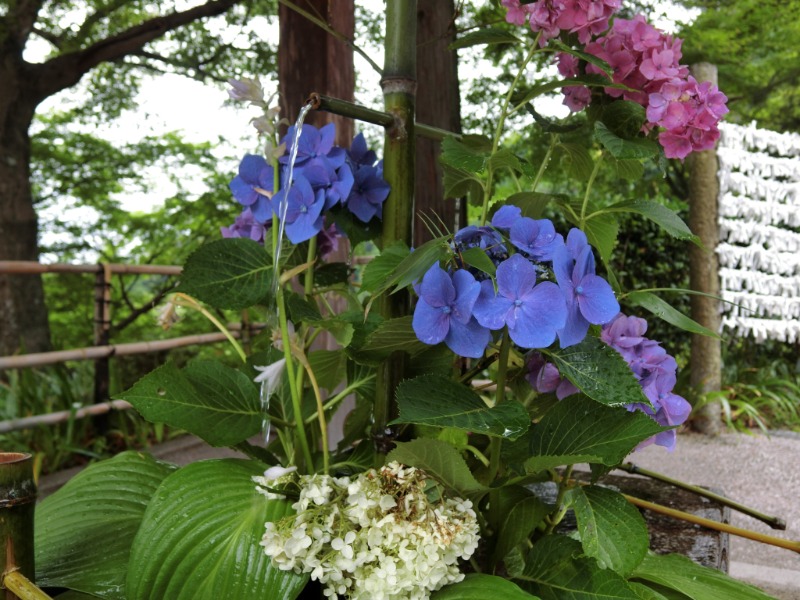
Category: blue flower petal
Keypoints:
(437, 287)
(250, 168)
(596, 300)
(242, 191)
(506, 216)
(542, 311)
(467, 339)
(430, 323)
(575, 328)
(467, 291)
(491, 310)
(515, 277)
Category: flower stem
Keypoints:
(189, 302)
(560, 510)
(595, 171)
(545, 161)
(502, 368)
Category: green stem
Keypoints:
(501, 121)
(502, 369)
(560, 510)
(189, 302)
(545, 161)
(595, 171)
(340, 396)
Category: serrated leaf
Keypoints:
(440, 401)
(578, 426)
(624, 117)
(477, 257)
(612, 530)
(214, 402)
(301, 310)
(479, 586)
(585, 56)
(577, 161)
(458, 183)
(622, 148)
(199, 539)
(462, 156)
(601, 231)
(630, 169)
(554, 568)
(232, 273)
(664, 311)
(84, 531)
(328, 367)
(518, 525)
(505, 159)
(538, 464)
(600, 372)
(681, 574)
(440, 461)
(659, 214)
(485, 35)
(378, 268)
(393, 335)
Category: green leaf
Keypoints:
(301, 310)
(329, 274)
(458, 183)
(485, 35)
(214, 402)
(199, 539)
(580, 427)
(612, 530)
(440, 401)
(664, 311)
(505, 159)
(518, 525)
(679, 573)
(647, 593)
(477, 257)
(463, 156)
(442, 462)
(391, 336)
(624, 118)
(479, 586)
(599, 371)
(378, 269)
(659, 214)
(328, 367)
(554, 568)
(233, 273)
(585, 56)
(630, 169)
(532, 204)
(354, 228)
(577, 161)
(416, 264)
(622, 148)
(83, 532)
(601, 231)
(590, 80)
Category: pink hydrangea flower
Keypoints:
(585, 18)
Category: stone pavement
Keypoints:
(759, 471)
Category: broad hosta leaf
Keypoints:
(578, 426)
(442, 462)
(612, 530)
(666, 312)
(440, 401)
(599, 372)
(479, 586)
(647, 593)
(199, 539)
(233, 273)
(555, 570)
(378, 269)
(665, 218)
(206, 398)
(84, 532)
(622, 148)
(518, 525)
(391, 336)
(485, 35)
(676, 572)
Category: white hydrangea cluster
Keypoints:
(375, 536)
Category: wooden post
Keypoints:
(706, 352)
(17, 501)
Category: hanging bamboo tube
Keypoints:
(17, 502)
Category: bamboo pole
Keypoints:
(96, 352)
(62, 416)
(102, 332)
(17, 503)
(31, 267)
(22, 587)
(399, 91)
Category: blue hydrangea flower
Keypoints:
(536, 238)
(368, 194)
(245, 226)
(252, 186)
(506, 216)
(485, 238)
(532, 312)
(444, 312)
(359, 155)
(303, 211)
(314, 146)
(590, 299)
(335, 183)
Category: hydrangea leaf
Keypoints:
(458, 183)
(676, 572)
(629, 168)
(440, 401)
(328, 367)
(232, 273)
(625, 118)
(214, 402)
(601, 231)
(479, 586)
(484, 35)
(666, 312)
(622, 148)
(662, 216)
(463, 156)
(442, 462)
(532, 204)
(612, 530)
(379, 268)
(599, 371)
(577, 160)
(84, 531)
(199, 539)
(393, 335)
(505, 159)
(555, 568)
(580, 427)
(519, 523)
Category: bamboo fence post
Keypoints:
(17, 502)
(102, 329)
(706, 352)
(399, 92)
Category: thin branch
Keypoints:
(55, 40)
(97, 16)
(19, 21)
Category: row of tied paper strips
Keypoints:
(759, 217)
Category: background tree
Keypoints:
(111, 44)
